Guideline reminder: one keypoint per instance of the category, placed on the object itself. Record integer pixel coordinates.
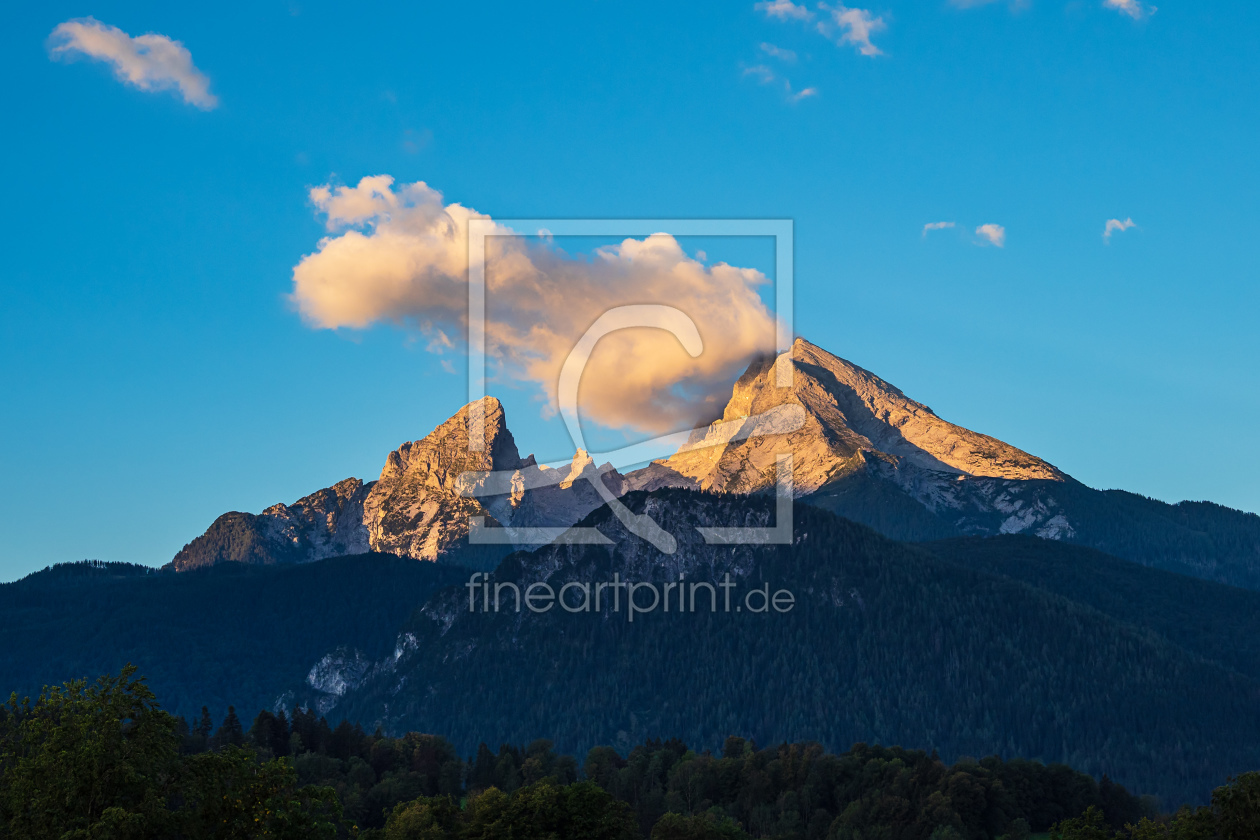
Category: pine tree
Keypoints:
(230, 733)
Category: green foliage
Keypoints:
(230, 795)
(434, 818)
(541, 811)
(1237, 807)
(707, 826)
(1019, 830)
(102, 761)
(546, 811)
(87, 760)
(1088, 826)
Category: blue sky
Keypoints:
(156, 373)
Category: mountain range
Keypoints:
(860, 448)
(948, 591)
(1011, 645)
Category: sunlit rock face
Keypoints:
(419, 507)
(416, 508)
(327, 523)
(847, 422)
(851, 417)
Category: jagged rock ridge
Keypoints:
(419, 507)
(327, 523)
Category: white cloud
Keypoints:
(1133, 8)
(1016, 5)
(852, 26)
(398, 254)
(1114, 225)
(996, 234)
(778, 52)
(765, 76)
(150, 62)
(763, 73)
(930, 226)
(784, 10)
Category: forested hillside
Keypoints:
(886, 644)
(227, 634)
(1009, 645)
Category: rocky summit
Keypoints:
(420, 506)
(849, 423)
(849, 417)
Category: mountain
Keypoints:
(975, 645)
(867, 452)
(861, 448)
(418, 507)
(853, 420)
(884, 643)
(327, 523)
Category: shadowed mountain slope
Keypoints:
(886, 643)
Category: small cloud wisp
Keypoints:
(1114, 225)
(784, 10)
(994, 234)
(852, 26)
(780, 53)
(931, 226)
(149, 62)
(1133, 8)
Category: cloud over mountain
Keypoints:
(398, 254)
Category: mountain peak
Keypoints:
(851, 417)
(416, 508)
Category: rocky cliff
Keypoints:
(419, 507)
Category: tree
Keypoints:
(199, 738)
(545, 811)
(1088, 826)
(707, 826)
(87, 761)
(482, 776)
(1237, 805)
(1018, 830)
(229, 795)
(230, 734)
(430, 818)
